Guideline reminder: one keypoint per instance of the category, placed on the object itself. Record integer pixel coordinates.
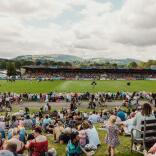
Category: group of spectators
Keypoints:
(70, 75)
(24, 133)
(96, 99)
(61, 75)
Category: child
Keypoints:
(112, 135)
(73, 147)
(82, 137)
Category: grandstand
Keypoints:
(87, 73)
(3, 74)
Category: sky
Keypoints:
(85, 28)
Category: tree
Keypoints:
(25, 63)
(51, 63)
(11, 70)
(141, 64)
(60, 63)
(67, 64)
(18, 64)
(132, 65)
(46, 63)
(149, 63)
(3, 65)
(114, 66)
(38, 62)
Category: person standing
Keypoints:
(112, 139)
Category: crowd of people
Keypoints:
(93, 100)
(70, 75)
(26, 133)
(60, 75)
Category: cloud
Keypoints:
(139, 14)
(136, 25)
(31, 27)
(33, 9)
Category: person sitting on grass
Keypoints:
(57, 131)
(39, 145)
(82, 135)
(94, 118)
(65, 135)
(28, 124)
(122, 115)
(15, 139)
(147, 114)
(22, 132)
(46, 121)
(14, 122)
(91, 132)
(73, 146)
(12, 147)
(30, 137)
(6, 153)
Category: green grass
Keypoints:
(22, 86)
(122, 150)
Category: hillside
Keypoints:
(54, 57)
(72, 58)
(117, 61)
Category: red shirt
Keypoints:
(37, 147)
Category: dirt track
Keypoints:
(59, 105)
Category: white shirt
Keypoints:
(61, 115)
(45, 108)
(137, 121)
(94, 118)
(93, 136)
(2, 125)
(46, 98)
(7, 99)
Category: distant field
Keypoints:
(22, 86)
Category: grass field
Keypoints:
(22, 86)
